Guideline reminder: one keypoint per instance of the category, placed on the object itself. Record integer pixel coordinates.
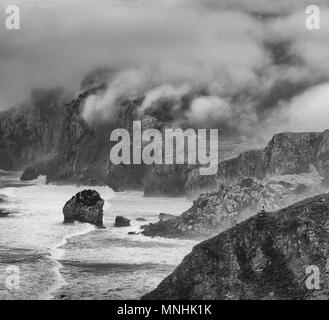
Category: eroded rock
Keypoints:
(121, 222)
(85, 206)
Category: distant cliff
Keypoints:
(264, 257)
(286, 153)
(48, 136)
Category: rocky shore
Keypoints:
(264, 257)
(215, 211)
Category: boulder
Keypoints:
(121, 222)
(85, 206)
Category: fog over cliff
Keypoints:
(249, 67)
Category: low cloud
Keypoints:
(308, 111)
(224, 63)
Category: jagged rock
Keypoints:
(121, 222)
(221, 209)
(85, 206)
(264, 257)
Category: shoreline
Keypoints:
(56, 253)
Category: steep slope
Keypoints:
(286, 153)
(216, 211)
(264, 257)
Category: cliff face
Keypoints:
(264, 257)
(49, 137)
(286, 153)
(29, 133)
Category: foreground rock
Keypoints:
(218, 210)
(264, 257)
(85, 206)
(121, 222)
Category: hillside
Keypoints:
(264, 257)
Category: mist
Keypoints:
(219, 56)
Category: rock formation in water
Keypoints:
(85, 206)
(265, 257)
(121, 222)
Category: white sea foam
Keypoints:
(36, 223)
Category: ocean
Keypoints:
(42, 258)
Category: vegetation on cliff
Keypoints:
(264, 257)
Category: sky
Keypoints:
(248, 66)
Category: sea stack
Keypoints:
(85, 206)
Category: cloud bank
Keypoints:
(235, 64)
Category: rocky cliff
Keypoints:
(286, 153)
(218, 210)
(48, 136)
(265, 257)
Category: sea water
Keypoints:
(78, 261)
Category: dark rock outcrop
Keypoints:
(85, 206)
(218, 210)
(264, 257)
(31, 173)
(121, 222)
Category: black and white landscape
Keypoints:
(74, 225)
